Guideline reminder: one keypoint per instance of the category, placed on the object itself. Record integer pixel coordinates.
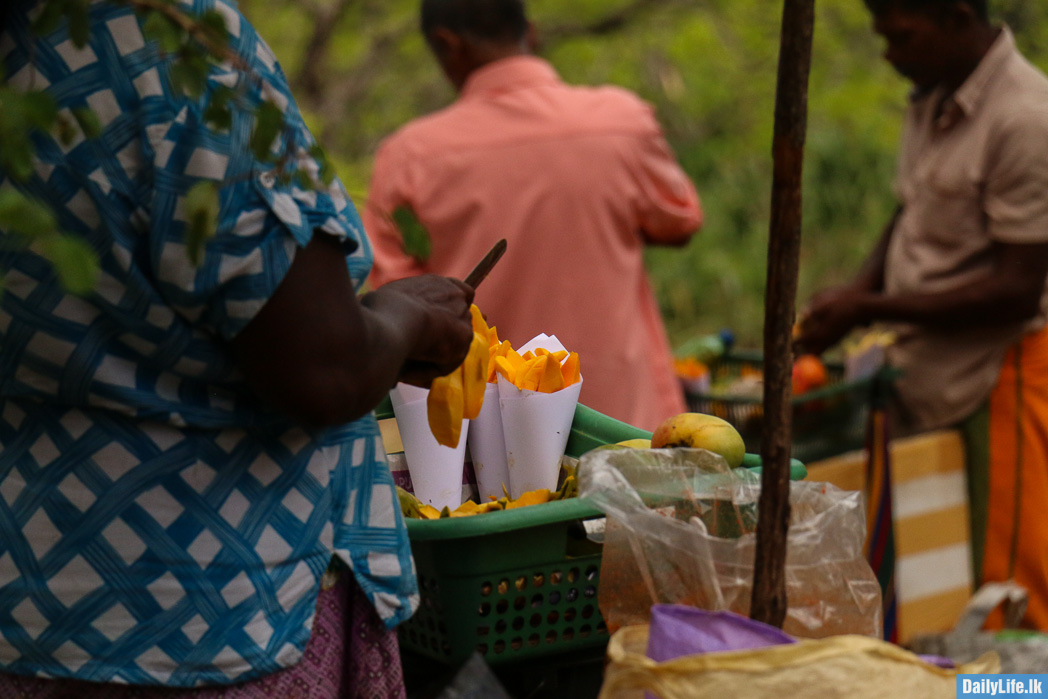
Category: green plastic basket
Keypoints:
(521, 584)
(827, 421)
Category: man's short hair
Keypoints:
(880, 6)
(494, 20)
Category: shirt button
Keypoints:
(268, 179)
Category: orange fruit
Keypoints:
(809, 373)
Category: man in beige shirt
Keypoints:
(960, 272)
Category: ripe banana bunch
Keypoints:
(460, 394)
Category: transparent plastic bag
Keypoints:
(681, 529)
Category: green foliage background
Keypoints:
(709, 69)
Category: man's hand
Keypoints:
(832, 314)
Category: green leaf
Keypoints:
(49, 19)
(189, 72)
(214, 25)
(65, 130)
(269, 121)
(327, 170)
(218, 113)
(416, 238)
(39, 109)
(79, 22)
(22, 215)
(17, 158)
(202, 209)
(303, 180)
(160, 29)
(75, 262)
(218, 117)
(88, 121)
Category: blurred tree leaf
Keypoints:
(74, 261)
(24, 216)
(416, 238)
(213, 25)
(79, 22)
(50, 17)
(189, 73)
(218, 113)
(269, 121)
(327, 170)
(202, 209)
(88, 121)
(160, 29)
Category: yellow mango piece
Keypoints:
(506, 369)
(479, 324)
(570, 369)
(514, 359)
(528, 356)
(491, 364)
(529, 380)
(429, 512)
(551, 380)
(474, 376)
(532, 497)
(493, 337)
(444, 408)
(467, 509)
(558, 355)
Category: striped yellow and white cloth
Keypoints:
(933, 576)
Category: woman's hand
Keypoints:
(325, 356)
(438, 308)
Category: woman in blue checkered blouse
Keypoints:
(186, 449)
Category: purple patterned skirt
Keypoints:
(350, 654)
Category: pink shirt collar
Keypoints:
(508, 74)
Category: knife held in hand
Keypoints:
(479, 272)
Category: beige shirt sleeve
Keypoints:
(1016, 200)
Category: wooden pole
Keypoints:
(768, 601)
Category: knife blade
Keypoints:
(475, 277)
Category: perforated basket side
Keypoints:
(539, 607)
(827, 421)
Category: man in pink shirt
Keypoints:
(577, 179)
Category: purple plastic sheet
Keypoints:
(678, 630)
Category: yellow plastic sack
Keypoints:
(848, 667)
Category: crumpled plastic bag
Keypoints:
(681, 529)
(841, 667)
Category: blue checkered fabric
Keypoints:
(158, 525)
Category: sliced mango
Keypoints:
(532, 497)
(460, 394)
(429, 512)
(533, 374)
(551, 380)
(570, 369)
(444, 408)
(506, 369)
(474, 376)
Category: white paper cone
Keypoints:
(436, 470)
(487, 446)
(536, 428)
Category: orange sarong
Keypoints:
(1016, 477)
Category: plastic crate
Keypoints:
(516, 585)
(827, 421)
